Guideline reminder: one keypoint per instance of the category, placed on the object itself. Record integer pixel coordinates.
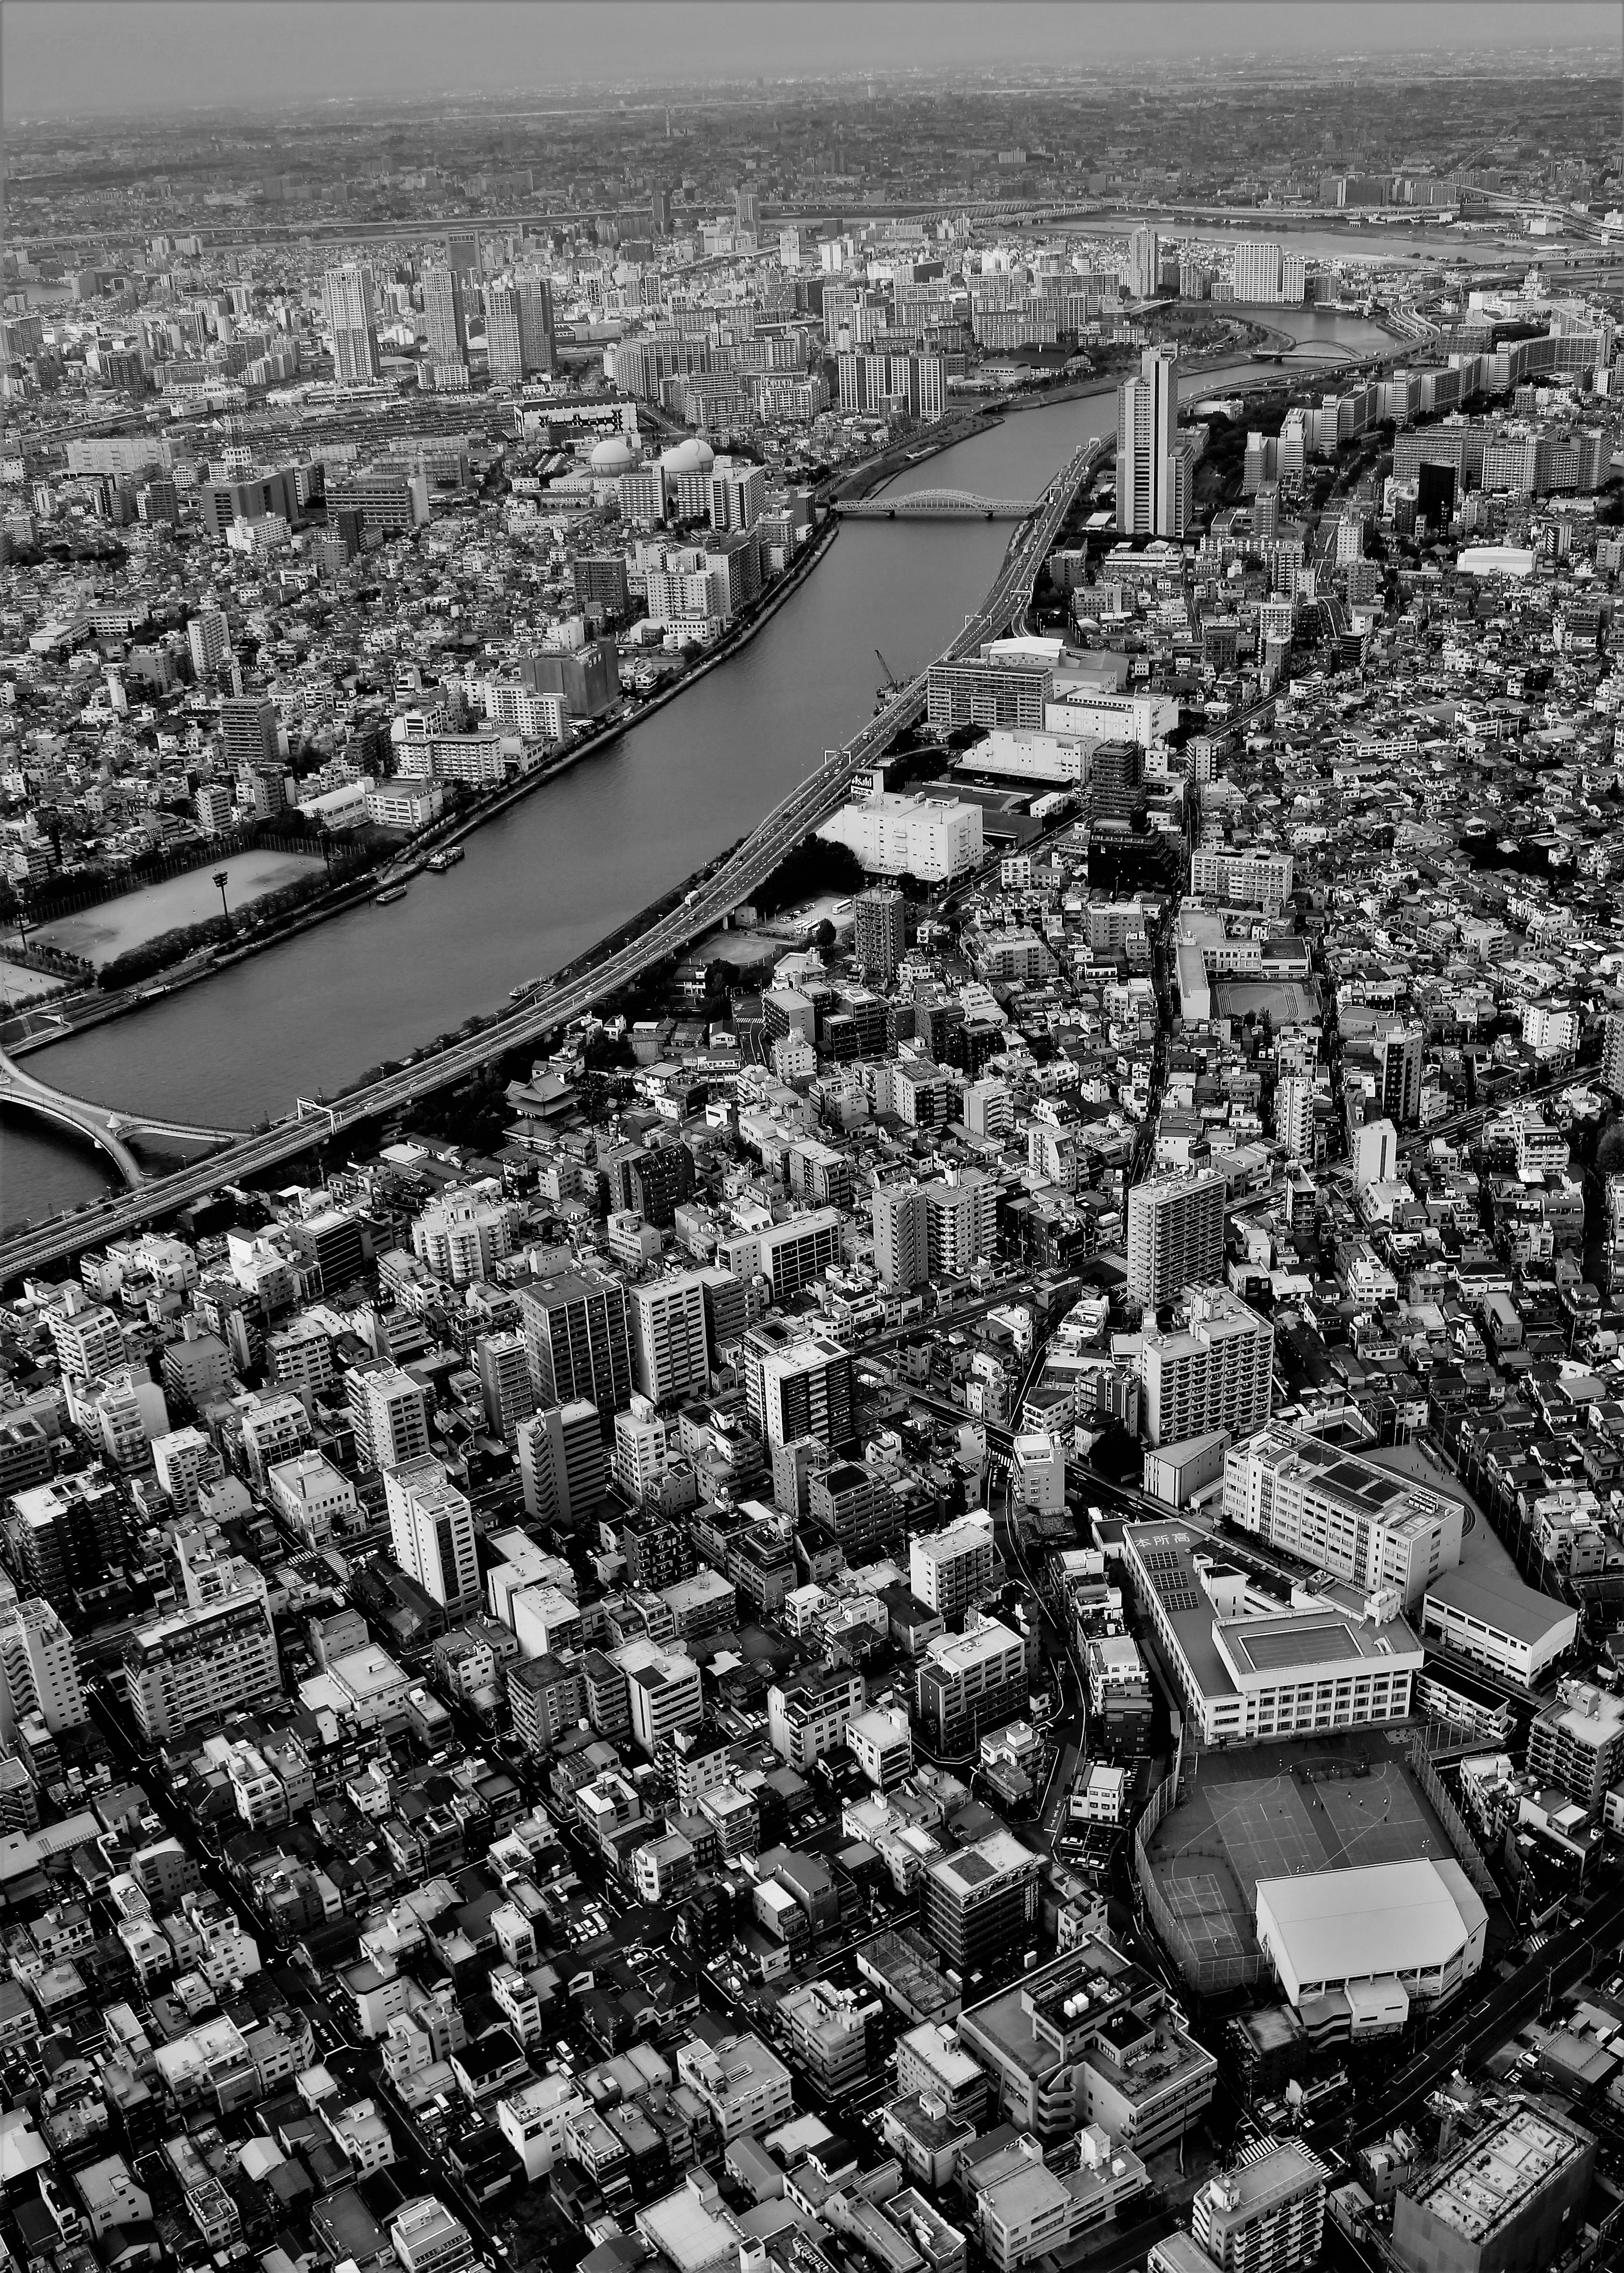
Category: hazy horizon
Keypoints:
(134, 58)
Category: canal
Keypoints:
(567, 864)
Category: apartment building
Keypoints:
(1175, 1235)
(969, 1682)
(808, 1715)
(1216, 1372)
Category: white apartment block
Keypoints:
(1340, 1513)
(1216, 1373)
(665, 1696)
(432, 1534)
(1242, 880)
(950, 1569)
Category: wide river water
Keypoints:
(568, 863)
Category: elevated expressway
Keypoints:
(549, 1006)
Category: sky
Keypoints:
(143, 55)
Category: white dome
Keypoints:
(613, 454)
(694, 456)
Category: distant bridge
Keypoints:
(936, 505)
(98, 1122)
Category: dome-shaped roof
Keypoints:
(694, 456)
(613, 454)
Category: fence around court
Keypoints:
(1467, 1853)
(1206, 1974)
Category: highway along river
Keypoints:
(568, 863)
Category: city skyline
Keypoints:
(128, 56)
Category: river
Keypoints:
(580, 855)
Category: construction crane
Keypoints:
(893, 685)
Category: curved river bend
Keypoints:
(580, 855)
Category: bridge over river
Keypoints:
(935, 505)
(546, 1006)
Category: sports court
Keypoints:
(1275, 1811)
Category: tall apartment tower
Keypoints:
(390, 1415)
(1216, 1373)
(1266, 2216)
(1294, 1116)
(518, 323)
(1613, 1053)
(38, 1674)
(209, 637)
(1142, 275)
(431, 1535)
(1399, 1055)
(1175, 1235)
(879, 939)
(351, 306)
(1147, 469)
(248, 732)
(445, 310)
(901, 1221)
(578, 1337)
(670, 1351)
(563, 1463)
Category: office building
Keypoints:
(746, 2090)
(1091, 2038)
(879, 940)
(669, 1348)
(563, 1464)
(969, 1682)
(1266, 2215)
(981, 1903)
(208, 635)
(950, 1571)
(1510, 2199)
(388, 496)
(189, 1669)
(431, 1535)
(1338, 1513)
(578, 1334)
(789, 1254)
(38, 1673)
(1175, 1235)
(350, 306)
(910, 833)
(1150, 502)
(901, 1236)
(1217, 1371)
(1248, 1667)
(798, 1385)
(389, 1412)
(445, 314)
(1398, 1056)
(518, 310)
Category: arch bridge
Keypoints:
(99, 1123)
(935, 505)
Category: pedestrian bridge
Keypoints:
(98, 1122)
(935, 505)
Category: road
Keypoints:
(550, 1006)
